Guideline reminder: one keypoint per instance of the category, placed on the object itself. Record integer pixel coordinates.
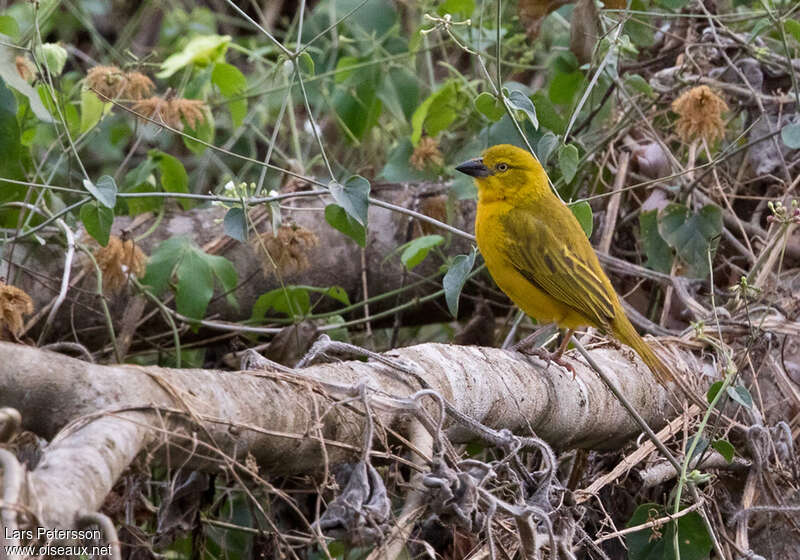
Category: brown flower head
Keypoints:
(173, 112)
(427, 154)
(700, 114)
(434, 207)
(138, 86)
(117, 261)
(108, 81)
(288, 250)
(14, 303)
(192, 110)
(25, 68)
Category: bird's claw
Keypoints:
(549, 358)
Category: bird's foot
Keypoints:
(548, 357)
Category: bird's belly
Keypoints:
(533, 301)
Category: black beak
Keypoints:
(474, 168)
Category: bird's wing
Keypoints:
(545, 260)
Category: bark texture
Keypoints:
(100, 417)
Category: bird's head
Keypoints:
(506, 172)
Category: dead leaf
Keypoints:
(584, 29)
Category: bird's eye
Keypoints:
(502, 167)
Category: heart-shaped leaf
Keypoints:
(522, 102)
(353, 196)
(692, 235)
(104, 191)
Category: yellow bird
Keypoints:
(538, 254)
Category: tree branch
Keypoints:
(103, 416)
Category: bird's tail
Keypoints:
(627, 334)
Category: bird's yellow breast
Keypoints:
(491, 237)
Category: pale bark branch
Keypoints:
(103, 416)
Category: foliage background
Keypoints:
(116, 111)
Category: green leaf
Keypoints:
(203, 130)
(741, 395)
(356, 102)
(10, 147)
(9, 26)
(399, 92)
(226, 275)
(141, 173)
(443, 112)
(201, 51)
(488, 106)
(306, 64)
(436, 113)
(455, 278)
(11, 77)
(583, 213)
(414, 252)
(228, 79)
(694, 543)
(711, 394)
(790, 134)
(760, 25)
(344, 68)
(231, 83)
(568, 162)
(173, 175)
(658, 253)
(522, 102)
(564, 87)
(293, 301)
(140, 205)
(162, 262)
(565, 63)
(638, 27)
(338, 218)
(547, 114)
(235, 224)
(190, 358)
(399, 170)
(195, 286)
(373, 18)
(699, 447)
(353, 196)
(97, 219)
(639, 84)
(104, 191)
(72, 118)
(546, 146)
(460, 7)
(791, 26)
(334, 292)
(337, 549)
(692, 235)
(338, 334)
(418, 120)
(724, 448)
(193, 272)
(92, 110)
(53, 57)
